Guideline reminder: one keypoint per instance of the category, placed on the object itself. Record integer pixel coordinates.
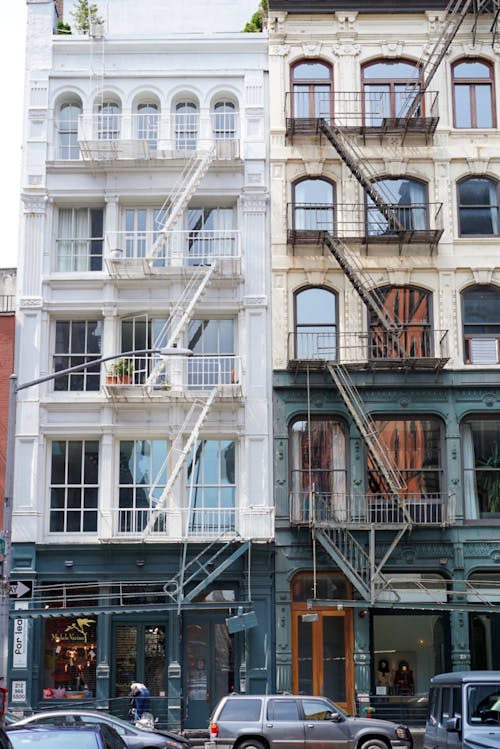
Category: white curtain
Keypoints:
(471, 506)
(64, 239)
(339, 472)
(417, 197)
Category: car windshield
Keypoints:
(53, 739)
(483, 703)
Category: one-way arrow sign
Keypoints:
(21, 589)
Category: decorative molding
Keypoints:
(34, 203)
(346, 23)
(30, 302)
(255, 301)
(346, 50)
(311, 50)
(280, 50)
(392, 49)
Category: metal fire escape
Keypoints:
(361, 566)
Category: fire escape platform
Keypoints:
(424, 237)
(310, 126)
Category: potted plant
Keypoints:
(120, 373)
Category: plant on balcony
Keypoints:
(85, 16)
(120, 373)
(63, 28)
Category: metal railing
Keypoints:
(179, 248)
(420, 222)
(411, 343)
(179, 373)
(200, 522)
(329, 508)
(159, 135)
(371, 109)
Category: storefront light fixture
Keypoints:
(68, 563)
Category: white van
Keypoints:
(464, 711)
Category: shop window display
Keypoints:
(70, 651)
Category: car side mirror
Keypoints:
(453, 725)
(335, 717)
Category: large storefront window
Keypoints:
(407, 650)
(70, 652)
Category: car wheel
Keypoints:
(251, 744)
(373, 744)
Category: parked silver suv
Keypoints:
(281, 721)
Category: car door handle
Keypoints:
(310, 725)
(269, 725)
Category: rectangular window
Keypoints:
(79, 239)
(77, 342)
(142, 228)
(142, 480)
(211, 487)
(70, 656)
(481, 455)
(213, 363)
(211, 234)
(74, 486)
(414, 447)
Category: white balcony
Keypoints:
(151, 376)
(197, 524)
(135, 253)
(104, 137)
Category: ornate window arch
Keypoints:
(473, 93)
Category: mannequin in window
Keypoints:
(383, 675)
(403, 679)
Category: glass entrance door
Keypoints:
(139, 654)
(209, 670)
(322, 656)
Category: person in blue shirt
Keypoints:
(139, 698)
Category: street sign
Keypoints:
(21, 589)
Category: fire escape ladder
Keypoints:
(359, 278)
(368, 430)
(455, 13)
(184, 188)
(210, 563)
(181, 313)
(181, 449)
(356, 162)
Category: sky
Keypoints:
(12, 51)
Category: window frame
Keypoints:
(392, 83)
(311, 84)
(186, 124)
(471, 83)
(133, 517)
(320, 208)
(86, 376)
(71, 131)
(332, 326)
(93, 255)
(468, 337)
(64, 509)
(209, 516)
(406, 213)
(489, 206)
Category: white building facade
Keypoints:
(142, 503)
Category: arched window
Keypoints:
(313, 205)
(409, 308)
(108, 121)
(312, 87)
(318, 469)
(407, 199)
(147, 124)
(481, 319)
(473, 94)
(186, 125)
(316, 324)
(67, 131)
(478, 207)
(224, 120)
(388, 89)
